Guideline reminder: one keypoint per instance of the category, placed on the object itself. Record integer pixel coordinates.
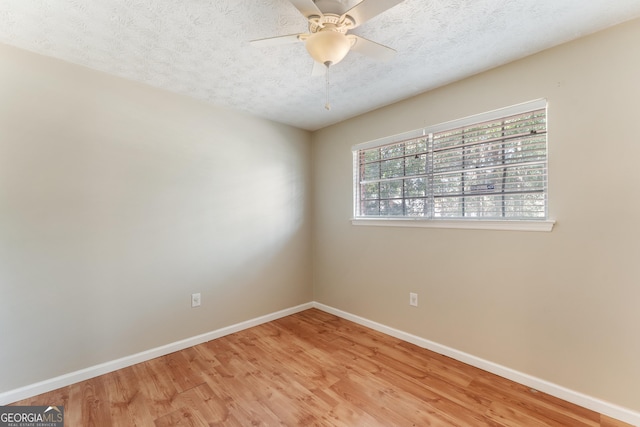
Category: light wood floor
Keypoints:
(309, 369)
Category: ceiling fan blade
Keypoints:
(306, 7)
(367, 9)
(276, 41)
(371, 48)
(318, 69)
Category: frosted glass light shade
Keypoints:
(328, 47)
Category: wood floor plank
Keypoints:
(156, 387)
(348, 415)
(610, 422)
(59, 397)
(209, 405)
(94, 405)
(181, 371)
(384, 402)
(510, 416)
(310, 369)
(462, 409)
(128, 406)
(240, 385)
(430, 366)
(526, 400)
(183, 417)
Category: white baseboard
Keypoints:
(606, 408)
(103, 368)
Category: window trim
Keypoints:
(478, 224)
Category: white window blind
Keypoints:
(492, 168)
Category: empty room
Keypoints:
(320, 212)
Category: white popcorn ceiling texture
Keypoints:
(201, 48)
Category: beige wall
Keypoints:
(117, 201)
(562, 306)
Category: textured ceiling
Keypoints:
(200, 47)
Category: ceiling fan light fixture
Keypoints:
(328, 47)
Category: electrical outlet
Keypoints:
(413, 299)
(196, 300)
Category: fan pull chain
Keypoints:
(327, 106)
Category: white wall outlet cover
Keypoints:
(413, 299)
(196, 300)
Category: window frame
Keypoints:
(543, 224)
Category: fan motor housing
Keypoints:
(330, 22)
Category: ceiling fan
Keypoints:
(329, 21)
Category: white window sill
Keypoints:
(515, 225)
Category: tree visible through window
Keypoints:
(489, 169)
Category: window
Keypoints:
(490, 167)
